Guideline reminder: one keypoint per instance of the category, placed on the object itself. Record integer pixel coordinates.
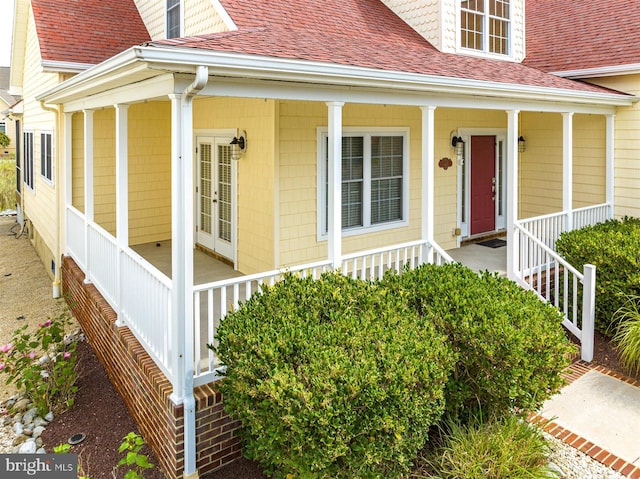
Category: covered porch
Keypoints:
(142, 149)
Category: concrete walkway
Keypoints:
(598, 413)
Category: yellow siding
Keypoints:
(40, 203)
(104, 169)
(77, 159)
(256, 173)
(199, 17)
(149, 172)
(627, 151)
(589, 160)
(541, 164)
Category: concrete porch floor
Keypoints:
(481, 258)
(206, 268)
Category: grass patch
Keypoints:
(7, 184)
(627, 335)
(504, 448)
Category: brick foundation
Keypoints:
(146, 390)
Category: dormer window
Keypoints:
(173, 19)
(485, 25)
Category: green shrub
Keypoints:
(7, 184)
(627, 336)
(511, 347)
(332, 378)
(614, 248)
(506, 448)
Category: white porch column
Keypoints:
(122, 193)
(610, 164)
(68, 173)
(428, 182)
(334, 190)
(88, 188)
(122, 175)
(567, 168)
(513, 238)
(177, 252)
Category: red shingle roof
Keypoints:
(574, 35)
(363, 33)
(86, 31)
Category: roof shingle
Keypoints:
(577, 35)
(362, 33)
(86, 31)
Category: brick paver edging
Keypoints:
(575, 371)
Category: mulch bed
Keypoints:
(100, 413)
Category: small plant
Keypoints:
(135, 462)
(66, 449)
(4, 140)
(627, 334)
(505, 448)
(43, 364)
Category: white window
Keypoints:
(3, 127)
(173, 19)
(46, 157)
(28, 159)
(485, 25)
(374, 180)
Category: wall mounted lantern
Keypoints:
(457, 144)
(522, 144)
(239, 145)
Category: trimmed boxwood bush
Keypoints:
(613, 248)
(332, 378)
(511, 347)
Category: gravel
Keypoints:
(578, 465)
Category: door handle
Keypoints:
(213, 200)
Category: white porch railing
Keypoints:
(136, 290)
(554, 280)
(213, 301)
(548, 228)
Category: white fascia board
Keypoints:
(254, 66)
(235, 87)
(158, 87)
(220, 10)
(630, 69)
(185, 60)
(64, 67)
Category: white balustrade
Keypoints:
(75, 236)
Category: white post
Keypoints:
(68, 174)
(122, 195)
(428, 181)
(610, 162)
(334, 190)
(567, 169)
(588, 312)
(177, 253)
(513, 242)
(88, 188)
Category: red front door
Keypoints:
(483, 173)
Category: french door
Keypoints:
(216, 195)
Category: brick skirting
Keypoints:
(146, 390)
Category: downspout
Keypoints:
(57, 134)
(186, 271)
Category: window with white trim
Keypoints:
(3, 127)
(485, 25)
(173, 19)
(374, 179)
(28, 159)
(46, 157)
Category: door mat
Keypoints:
(493, 243)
